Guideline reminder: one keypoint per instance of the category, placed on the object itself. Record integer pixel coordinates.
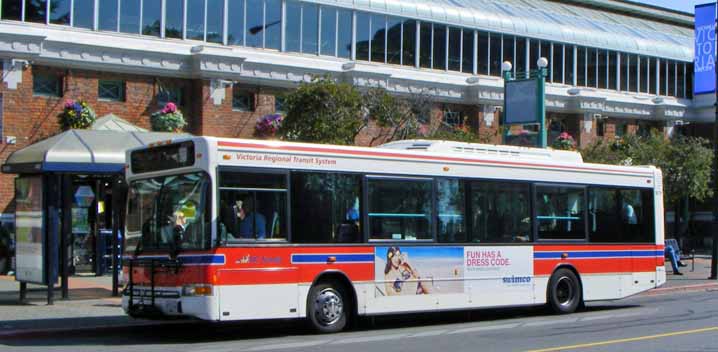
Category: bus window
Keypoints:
(399, 209)
(450, 203)
(620, 215)
(252, 206)
(500, 212)
(326, 207)
(559, 213)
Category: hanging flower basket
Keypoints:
(564, 141)
(268, 125)
(76, 114)
(169, 119)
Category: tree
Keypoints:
(323, 111)
(398, 118)
(685, 162)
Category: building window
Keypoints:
(36, 11)
(592, 68)
(344, 34)
(130, 16)
(235, 21)
(568, 64)
(215, 21)
(454, 49)
(439, 48)
(600, 128)
(242, 100)
(83, 14)
(47, 85)
(195, 19)
(59, 11)
(169, 95)
(620, 128)
(310, 29)
(174, 18)
(279, 107)
(111, 90)
(581, 71)
(425, 35)
(452, 118)
(602, 66)
(12, 10)
(151, 17)
(108, 15)
(467, 51)
(378, 38)
(393, 41)
(612, 70)
(486, 52)
(328, 31)
(409, 43)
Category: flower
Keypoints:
(76, 114)
(268, 125)
(169, 108)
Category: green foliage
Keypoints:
(685, 161)
(323, 111)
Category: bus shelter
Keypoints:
(70, 195)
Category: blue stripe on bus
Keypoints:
(340, 258)
(196, 259)
(601, 254)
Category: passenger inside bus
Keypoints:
(250, 221)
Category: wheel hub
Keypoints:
(328, 306)
(564, 291)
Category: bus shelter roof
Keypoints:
(81, 151)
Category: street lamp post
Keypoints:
(714, 227)
(542, 63)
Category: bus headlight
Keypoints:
(197, 290)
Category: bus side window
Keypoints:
(253, 206)
(400, 209)
(326, 207)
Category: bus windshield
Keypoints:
(168, 212)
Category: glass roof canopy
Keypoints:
(542, 19)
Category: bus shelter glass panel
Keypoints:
(620, 215)
(169, 212)
(252, 206)
(399, 209)
(326, 207)
(499, 212)
(560, 212)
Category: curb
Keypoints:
(686, 288)
(30, 333)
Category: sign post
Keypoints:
(525, 99)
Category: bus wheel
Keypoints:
(564, 291)
(328, 307)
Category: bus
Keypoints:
(234, 229)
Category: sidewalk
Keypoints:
(92, 307)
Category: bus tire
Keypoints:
(328, 307)
(564, 292)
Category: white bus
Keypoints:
(233, 229)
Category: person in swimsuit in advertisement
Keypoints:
(399, 275)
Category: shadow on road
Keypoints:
(188, 332)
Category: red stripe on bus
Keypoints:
(419, 157)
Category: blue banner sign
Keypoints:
(705, 50)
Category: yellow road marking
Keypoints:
(632, 339)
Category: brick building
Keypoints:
(615, 67)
